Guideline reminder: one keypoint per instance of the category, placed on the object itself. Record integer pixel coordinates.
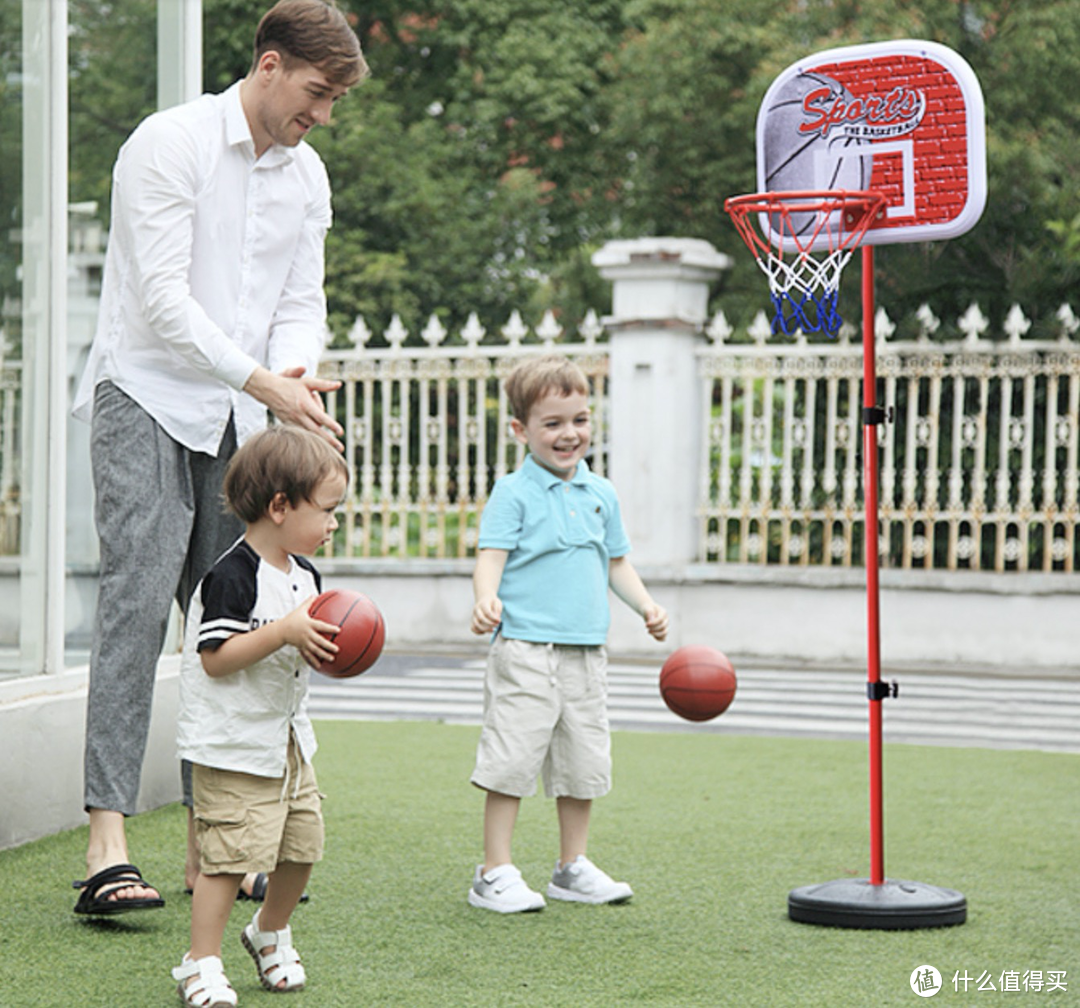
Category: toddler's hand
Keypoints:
(305, 633)
(656, 620)
(486, 615)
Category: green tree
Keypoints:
(690, 79)
(112, 86)
(471, 158)
(499, 142)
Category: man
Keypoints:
(212, 312)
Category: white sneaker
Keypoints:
(504, 890)
(582, 882)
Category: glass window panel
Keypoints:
(22, 320)
(112, 84)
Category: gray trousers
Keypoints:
(161, 525)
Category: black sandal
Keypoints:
(122, 876)
(258, 890)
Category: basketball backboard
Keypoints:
(904, 118)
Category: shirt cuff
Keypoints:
(235, 367)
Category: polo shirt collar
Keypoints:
(547, 479)
(238, 132)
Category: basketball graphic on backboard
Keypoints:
(793, 156)
(904, 118)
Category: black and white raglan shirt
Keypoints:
(241, 721)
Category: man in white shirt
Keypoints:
(212, 313)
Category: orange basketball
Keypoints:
(697, 682)
(361, 631)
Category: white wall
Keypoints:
(999, 625)
(812, 618)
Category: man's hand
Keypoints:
(295, 399)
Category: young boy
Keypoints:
(551, 544)
(243, 720)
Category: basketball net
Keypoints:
(809, 239)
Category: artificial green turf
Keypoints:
(711, 830)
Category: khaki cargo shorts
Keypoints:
(545, 714)
(245, 823)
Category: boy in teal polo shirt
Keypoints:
(551, 544)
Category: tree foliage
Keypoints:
(499, 142)
(640, 120)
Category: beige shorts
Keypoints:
(545, 714)
(245, 823)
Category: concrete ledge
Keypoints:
(41, 775)
(1012, 624)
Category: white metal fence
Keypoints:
(978, 466)
(427, 429)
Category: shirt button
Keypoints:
(573, 514)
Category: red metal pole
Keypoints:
(870, 526)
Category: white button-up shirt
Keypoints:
(214, 266)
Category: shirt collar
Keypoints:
(238, 132)
(547, 479)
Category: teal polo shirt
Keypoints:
(559, 536)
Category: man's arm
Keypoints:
(158, 179)
(298, 332)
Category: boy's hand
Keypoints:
(486, 615)
(305, 633)
(656, 620)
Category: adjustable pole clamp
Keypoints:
(880, 690)
(877, 414)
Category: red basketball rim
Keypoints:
(854, 210)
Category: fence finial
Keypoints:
(515, 330)
(884, 326)
(760, 329)
(928, 322)
(396, 333)
(434, 332)
(591, 329)
(1069, 322)
(359, 334)
(719, 329)
(1016, 324)
(549, 330)
(973, 323)
(473, 332)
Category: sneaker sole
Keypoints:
(569, 896)
(476, 900)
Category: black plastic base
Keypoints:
(892, 905)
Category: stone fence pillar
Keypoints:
(660, 304)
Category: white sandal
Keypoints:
(283, 962)
(210, 990)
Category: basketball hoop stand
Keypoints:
(875, 902)
(850, 148)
